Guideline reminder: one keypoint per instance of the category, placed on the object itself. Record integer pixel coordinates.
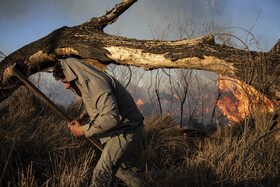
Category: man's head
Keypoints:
(58, 71)
(59, 75)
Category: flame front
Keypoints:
(237, 98)
(140, 104)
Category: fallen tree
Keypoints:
(88, 41)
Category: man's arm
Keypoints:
(77, 130)
(82, 116)
(103, 99)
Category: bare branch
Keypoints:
(112, 15)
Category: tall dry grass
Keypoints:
(37, 149)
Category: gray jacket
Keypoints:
(108, 103)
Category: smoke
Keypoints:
(189, 7)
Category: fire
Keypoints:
(140, 104)
(238, 98)
(176, 97)
(211, 4)
(207, 110)
(165, 101)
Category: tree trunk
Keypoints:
(258, 69)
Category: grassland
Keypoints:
(37, 149)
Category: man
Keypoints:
(114, 117)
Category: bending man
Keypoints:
(114, 117)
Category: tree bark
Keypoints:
(258, 69)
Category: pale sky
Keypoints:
(24, 21)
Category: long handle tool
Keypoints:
(48, 101)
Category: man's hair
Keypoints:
(58, 71)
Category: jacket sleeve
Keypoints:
(102, 98)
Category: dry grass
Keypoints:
(35, 142)
(38, 150)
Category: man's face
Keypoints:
(67, 85)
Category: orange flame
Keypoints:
(207, 110)
(212, 4)
(176, 97)
(140, 104)
(238, 98)
(165, 101)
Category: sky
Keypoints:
(24, 21)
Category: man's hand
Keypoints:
(76, 129)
